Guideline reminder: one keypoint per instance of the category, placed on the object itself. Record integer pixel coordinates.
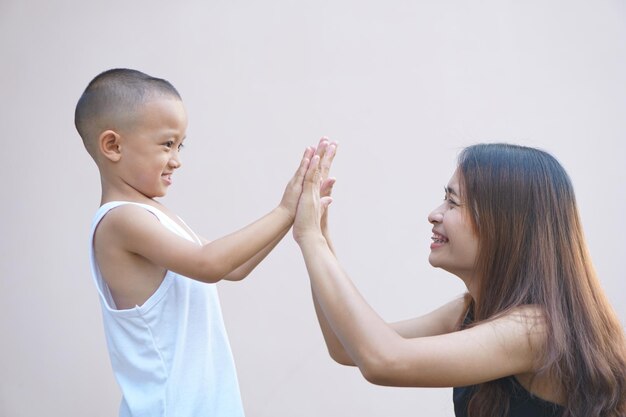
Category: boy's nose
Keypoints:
(175, 161)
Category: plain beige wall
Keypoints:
(403, 85)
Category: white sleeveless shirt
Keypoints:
(171, 356)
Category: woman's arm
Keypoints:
(439, 321)
(442, 320)
(501, 347)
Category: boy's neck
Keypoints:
(110, 193)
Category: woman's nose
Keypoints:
(436, 216)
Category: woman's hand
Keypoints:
(326, 187)
(315, 196)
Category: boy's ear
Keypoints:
(109, 145)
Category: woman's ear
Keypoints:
(109, 145)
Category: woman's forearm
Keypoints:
(354, 324)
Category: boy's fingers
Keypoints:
(308, 152)
(304, 162)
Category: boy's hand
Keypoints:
(289, 202)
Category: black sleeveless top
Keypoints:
(521, 404)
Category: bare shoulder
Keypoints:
(527, 331)
(125, 214)
(121, 223)
(526, 320)
(520, 333)
(131, 279)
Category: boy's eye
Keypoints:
(181, 146)
(169, 143)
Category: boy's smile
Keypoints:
(167, 177)
(150, 150)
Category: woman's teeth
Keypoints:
(437, 238)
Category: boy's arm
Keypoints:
(244, 270)
(138, 232)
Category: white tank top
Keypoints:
(171, 356)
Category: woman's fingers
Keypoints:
(312, 176)
(326, 188)
(327, 159)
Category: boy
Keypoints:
(168, 347)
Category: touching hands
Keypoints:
(311, 215)
(289, 202)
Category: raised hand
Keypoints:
(315, 196)
(327, 151)
(293, 190)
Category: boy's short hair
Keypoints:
(111, 98)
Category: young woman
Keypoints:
(533, 336)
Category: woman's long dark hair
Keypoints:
(532, 252)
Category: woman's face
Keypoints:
(455, 245)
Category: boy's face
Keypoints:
(150, 147)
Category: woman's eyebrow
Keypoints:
(450, 190)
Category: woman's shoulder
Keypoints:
(524, 322)
(519, 332)
(529, 322)
(530, 319)
(526, 316)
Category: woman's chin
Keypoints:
(433, 261)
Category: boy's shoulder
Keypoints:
(133, 224)
(126, 242)
(124, 212)
(123, 220)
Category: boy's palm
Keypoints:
(294, 186)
